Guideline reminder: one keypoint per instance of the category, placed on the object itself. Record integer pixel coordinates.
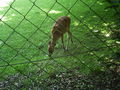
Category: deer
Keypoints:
(61, 26)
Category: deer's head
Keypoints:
(51, 46)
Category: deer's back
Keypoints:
(61, 26)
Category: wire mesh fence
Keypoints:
(25, 33)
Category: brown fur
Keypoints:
(61, 26)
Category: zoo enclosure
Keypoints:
(40, 64)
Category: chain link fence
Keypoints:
(25, 33)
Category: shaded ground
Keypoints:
(109, 80)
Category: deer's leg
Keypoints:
(62, 39)
(70, 36)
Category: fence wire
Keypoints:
(35, 69)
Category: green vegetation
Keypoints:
(25, 33)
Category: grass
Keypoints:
(25, 51)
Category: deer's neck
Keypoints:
(54, 41)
